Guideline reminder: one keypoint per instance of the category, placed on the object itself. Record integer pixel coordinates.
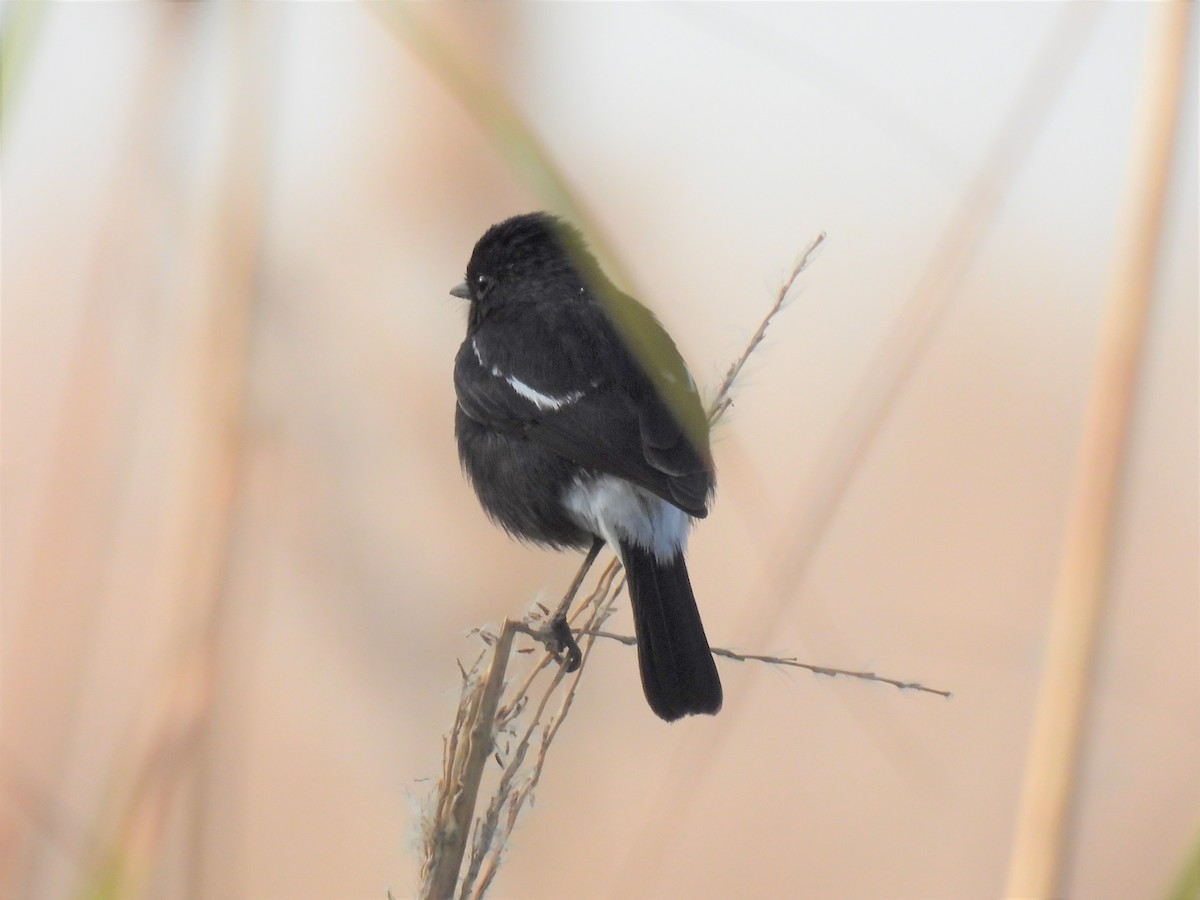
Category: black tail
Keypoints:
(678, 672)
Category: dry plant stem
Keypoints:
(602, 586)
(792, 662)
(1040, 843)
(504, 795)
(486, 862)
(465, 765)
(723, 400)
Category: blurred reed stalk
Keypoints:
(1041, 842)
(872, 402)
(102, 401)
(511, 133)
(223, 238)
(1186, 885)
(22, 27)
(518, 143)
(211, 298)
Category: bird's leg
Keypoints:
(569, 597)
(558, 634)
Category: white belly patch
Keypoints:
(617, 509)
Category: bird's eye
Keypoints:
(483, 284)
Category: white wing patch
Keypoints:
(533, 395)
(540, 400)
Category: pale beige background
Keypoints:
(229, 642)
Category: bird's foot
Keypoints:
(561, 642)
(558, 640)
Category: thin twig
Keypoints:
(722, 401)
(631, 641)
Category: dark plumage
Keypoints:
(573, 428)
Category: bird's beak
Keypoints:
(461, 291)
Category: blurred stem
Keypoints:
(841, 457)
(513, 135)
(22, 25)
(496, 113)
(1187, 881)
(169, 764)
(1040, 843)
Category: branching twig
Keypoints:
(463, 772)
(486, 858)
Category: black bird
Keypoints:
(578, 422)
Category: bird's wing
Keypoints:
(607, 435)
(608, 418)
